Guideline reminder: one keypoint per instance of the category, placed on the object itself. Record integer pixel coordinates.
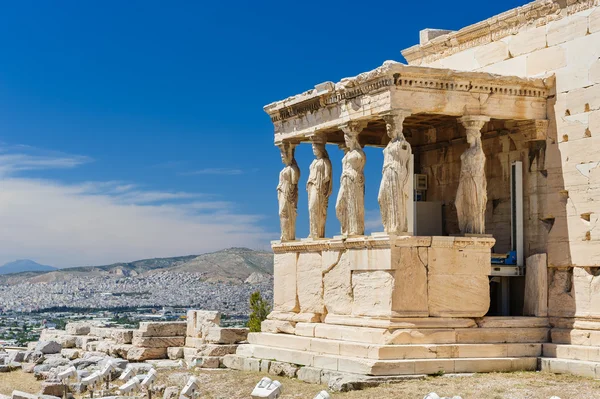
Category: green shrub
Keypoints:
(259, 309)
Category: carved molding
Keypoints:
(535, 14)
(396, 76)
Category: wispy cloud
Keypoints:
(373, 221)
(102, 222)
(214, 171)
(14, 162)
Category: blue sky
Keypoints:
(135, 129)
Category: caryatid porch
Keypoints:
(383, 292)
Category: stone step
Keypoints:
(384, 367)
(569, 366)
(575, 337)
(573, 352)
(474, 335)
(394, 352)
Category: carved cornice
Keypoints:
(394, 75)
(535, 14)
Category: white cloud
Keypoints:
(103, 222)
(373, 221)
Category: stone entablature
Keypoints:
(414, 90)
(535, 14)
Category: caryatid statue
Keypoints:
(394, 191)
(471, 197)
(350, 205)
(287, 192)
(319, 187)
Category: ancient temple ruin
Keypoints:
(489, 198)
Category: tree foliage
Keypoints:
(259, 310)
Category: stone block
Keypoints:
(409, 297)
(337, 282)
(82, 341)
(458, 295)
(526, 42)
(53, 388)
(157, 342)
(420, 336)
(211, 362)
(48, 347)
(514, 66)
(305, 329)
(175, 353)
(491, 53)
(452, 261)
(536, 286)
(311, 375)
(278, 326)
(594, 21)
(265, 365)
(283, 369)
(220, 335)
(121, 350)
(78, 328)
(136, 354)
(23, 395)
(67, 341)
(171, 392)
(284, 283)
(309, 282)
(233, 362)
(121, 336)
(368, 301)
(566, 29)
(162, 329)
(501, 335)
(200, 320)
(546, 60)
(462, 61)
(101, 332)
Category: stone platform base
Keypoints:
(489, 345)
(581, 360)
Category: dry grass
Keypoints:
(228, 384)
(526, 385)
(20, 381)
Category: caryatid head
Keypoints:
(318, 147)
(394, 123)
(287, 152)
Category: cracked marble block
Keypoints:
(458, 270)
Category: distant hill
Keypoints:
(24, 265)
(229, 265)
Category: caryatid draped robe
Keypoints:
(471, 197)
(394, 189)
(319, 187)
(350, 206)
(287, 194)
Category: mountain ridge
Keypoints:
(233, 265)
(23, 266)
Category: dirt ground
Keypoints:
(228, 384)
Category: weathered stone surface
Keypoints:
(207, 362)
(23, 395)
(278, 326)
(567, 29)
(157, 342)
(368, 301)
(458, 296)
(310, 374)
(102, 332)
(491, 53)
(79, 328)
(536, 286)
(54, 388)
(199, 320)
(410, 281)
(283, 369)
(175, 353)
(233, 362)
(337, 282)
(171, 392)
(121, 336)
(284, 291)
(309, 270)
(546, 60)
(48, 347)
(162, 329)
(82, 341)
(136, 354)
(220, 335)
(528, 41)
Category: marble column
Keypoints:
(287, 191)
(394, 196)
(350, 204)
(471, 197)
(319, 187)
